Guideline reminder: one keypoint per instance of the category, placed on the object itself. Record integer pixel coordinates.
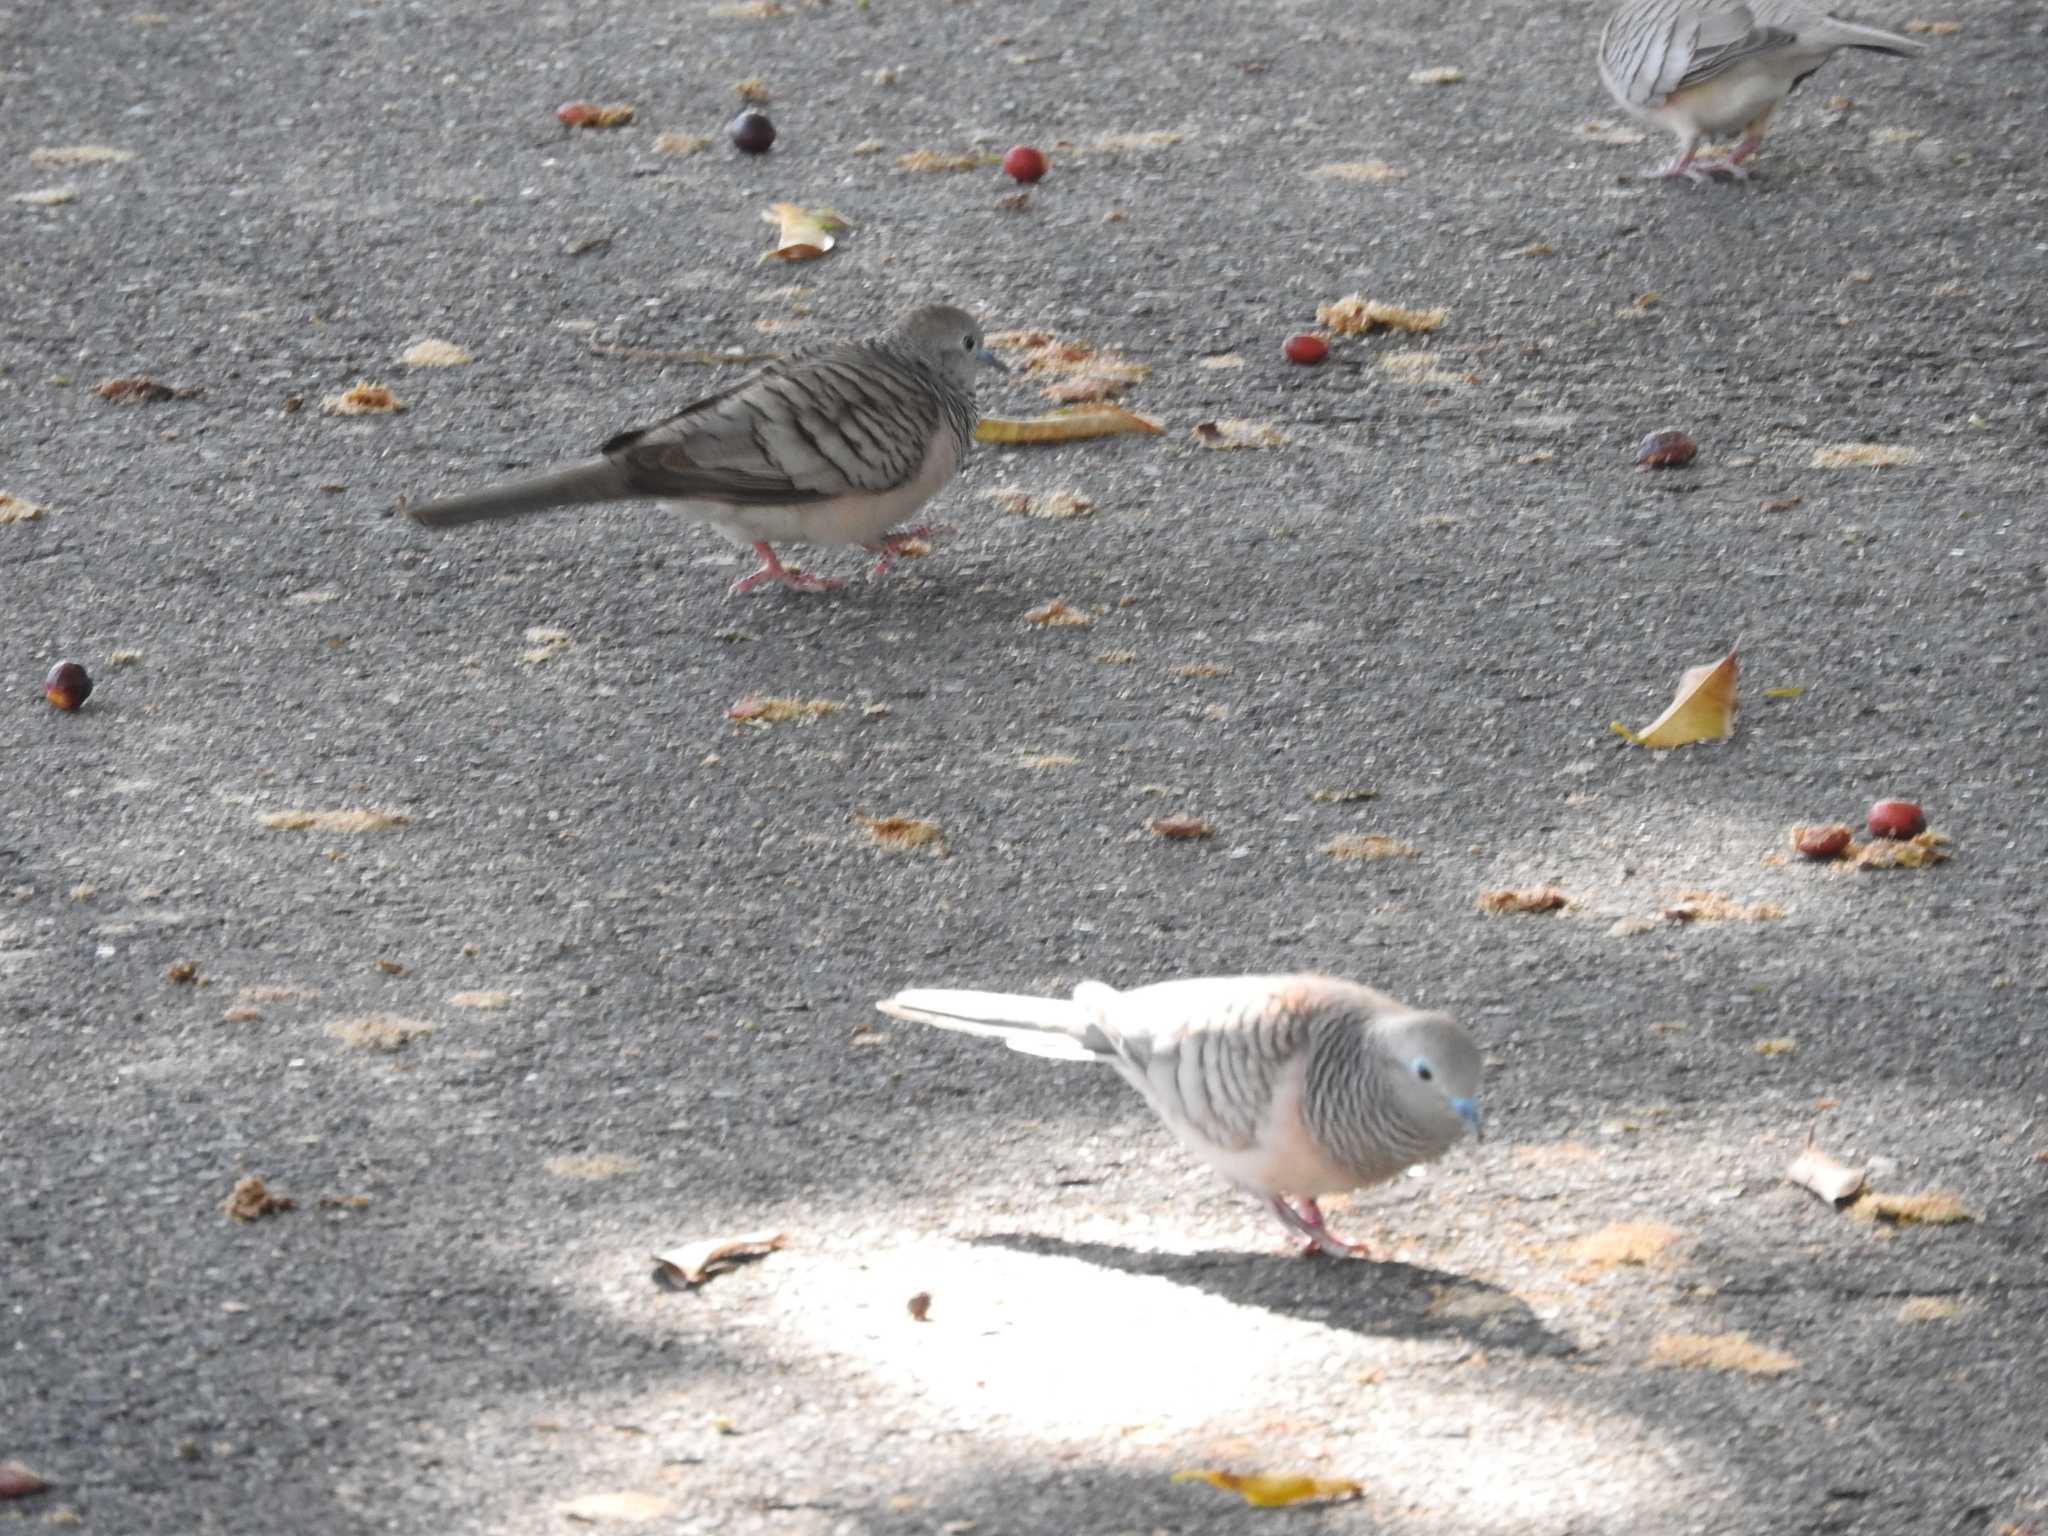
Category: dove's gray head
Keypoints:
(947, 340)
(1436, 1071)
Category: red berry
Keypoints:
(1025, 164)
(1305, 349)
(1821, 842)
(67, 686)
(576, 113)
(1896, 819)
(751, 133)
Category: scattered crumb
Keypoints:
(1928, 1309)
(868, 147)
(931, 160)
(486, 1000)
(757, 709)
(242, 1014)
(182, 973)
(1361, 170)
(1719, 1352)
(1625, 1244)
(13, 509)
(1532, 898)
(1864, 456)
(1342, 796)
(754, 89)
(1713, 907)
(433, 353)
(252, 1199)
(385, 1032)
(681, 143)
(1237, 432)
(1934, 28)
(900, 834)
(367, 819)
(1058, 614)
(1119, 143)
(1116, 658)
(1180, 828)
(591, 1166)
(118, 658)
(47, 197)
(1443, 74)
(1355, 314)
(50, 157)
(362, 399)
(1042, 761)
(1936, 1208)
(1368, 845)
(1890, 853)
(1778, 1047)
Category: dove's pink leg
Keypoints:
(1308, 1223)
(892, 545)
(773, 569)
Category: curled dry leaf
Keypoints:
(1528, 898)
(694, 1263)
(18, 1481)
(435, 353)
(1713, 907)
(1703, 710)
(139, 391)
(756, 709)
(802, 234)
(1833, 1181)
(16, 509)
(589, 114)
(1064, 426)
(1935, 1208)
(1864, 456)
(1236, 432)
(1887, 853)
(252, 1200)
(1361, 170)
(931, 161)
(366, 819)
(1058, 614)
(1180, 828)
(362, 399)
(1355, 314)
(900, 834)
(1368, 845)
(1719, 1352)
(1269, 1490)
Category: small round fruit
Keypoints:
(577, 114)
(1306, 349)
(67, 686)
(1666, 450)
(751, 133)
(1822, 842)
(1898, 819)
(1026, 164)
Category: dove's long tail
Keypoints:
(1038, 1026)
(1848, 34)
(593, 480)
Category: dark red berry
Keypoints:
(1026, 164)
(67, 686)
(1898, 819)
(1305, 348)
(751, 133)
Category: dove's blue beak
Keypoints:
(983, 355)
(1468, 1111)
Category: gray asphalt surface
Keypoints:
(683, 926)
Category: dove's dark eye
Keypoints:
(967, 345)
(1422, 1071)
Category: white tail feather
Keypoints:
(1037, 1026)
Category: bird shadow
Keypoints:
(1378, 1298)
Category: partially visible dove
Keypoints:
(1286, 1085)
(1703, 68)
(833, 447)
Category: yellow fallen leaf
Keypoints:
(369, 819)
(805, 234)
(1790, 691)
(1065, 426)
(1355, 314)
(361, 399)
(1535, 898)
(1361, 170)
(1704, 709)
(435, 353)
(899, 834)
(1268, 1490)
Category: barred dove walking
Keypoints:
(836, 447)
(1701, 68)
(1286, 1085)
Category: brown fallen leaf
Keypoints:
(1058, 614)
(362, 399)
(1703, 710)
(1180, 828)
(1833, 1181)
(1355, 314)
(1935, 1208)
(900, 834)
(1530, 898)
(1268, 1490)
(802, 234)
(1368, 845)
(252, 1199)
(759, 709)
(1719, 1352)
(1064, 426)
(1342, 796)
(18, 1481)
(694, 1263)
(1237, 432)
(140, 391)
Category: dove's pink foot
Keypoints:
(898, 543)
(1308, 1223)
(773, 569)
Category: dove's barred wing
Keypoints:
(1656, 47)
(857, 419)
